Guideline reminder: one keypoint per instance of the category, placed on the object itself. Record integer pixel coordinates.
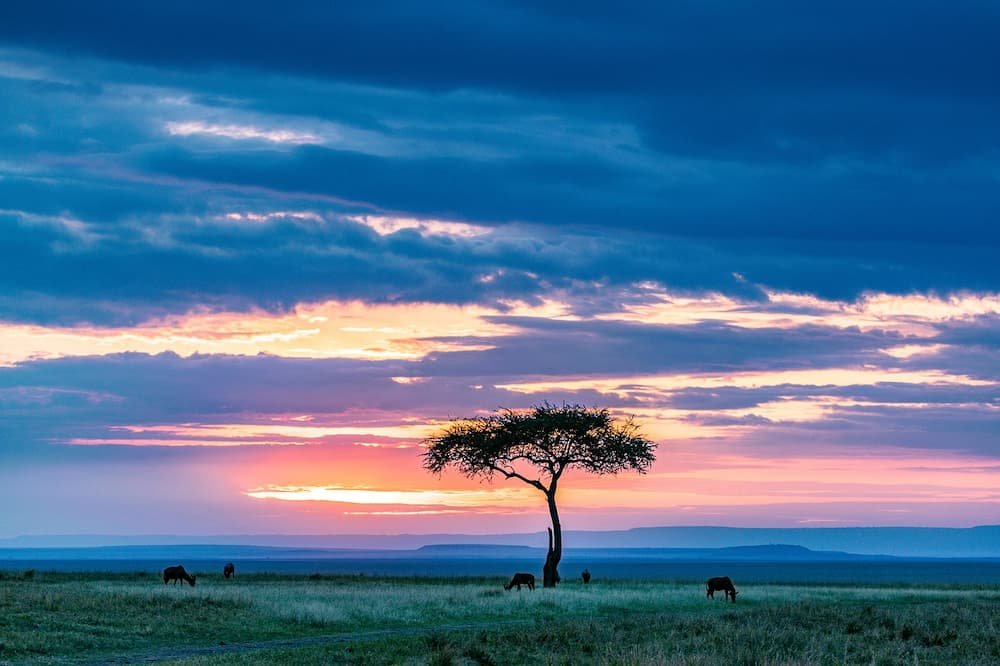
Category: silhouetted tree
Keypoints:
(536, 447)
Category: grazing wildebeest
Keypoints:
(175, 574)
(721, 583)
(586, 576)
(229, 571)
(520, 579)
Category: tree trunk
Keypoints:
(551, 570)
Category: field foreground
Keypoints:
(262, 619)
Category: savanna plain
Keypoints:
(100, 618)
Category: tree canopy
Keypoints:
(549, 438)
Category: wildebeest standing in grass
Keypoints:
(586, 576)
(175, 574)
(229, 571)
(721, 583)
(520, 579)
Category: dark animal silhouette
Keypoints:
(175, 574)
(721, 583)
(520, 579)
(586, 576)
(229, 571)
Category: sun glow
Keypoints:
(467, 499)
(241, 431)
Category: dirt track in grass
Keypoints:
(176, 654)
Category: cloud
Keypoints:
(441, 498)
(241, 132)
(771, 229)
(566, 169)
(332, 329)
(588, 348)
(596, 47)
(748, 87)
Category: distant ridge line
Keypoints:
(979, 541)
(776, 552)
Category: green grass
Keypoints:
(65, 618)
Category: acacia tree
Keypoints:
(536, 447)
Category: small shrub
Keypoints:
(437, 642)
(480, 656)
(29, 574)
(443, 653)
(442, 658)
(938, 638)
(906, 633)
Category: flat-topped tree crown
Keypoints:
(536, 447)
(548, 438)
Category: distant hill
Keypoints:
(981, 541)
(461, 550)
(787, 552)
(209, 552)
(770, 553)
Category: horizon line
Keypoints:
(486, 534)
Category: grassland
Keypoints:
(261, 619)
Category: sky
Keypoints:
(250, 259)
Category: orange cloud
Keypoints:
(909, 314)
(858, 376)
(332, 329)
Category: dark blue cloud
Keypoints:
(774, 81)
(161, 247)
(982, 332)
(731, 397)
(671, 144)
(734, 163)
(565, 348)
(594, 46)
(968, 429)
(816, 204)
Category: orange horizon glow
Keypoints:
(685, 474)
(409, 331)
(366, 463)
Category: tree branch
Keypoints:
(511, 474)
